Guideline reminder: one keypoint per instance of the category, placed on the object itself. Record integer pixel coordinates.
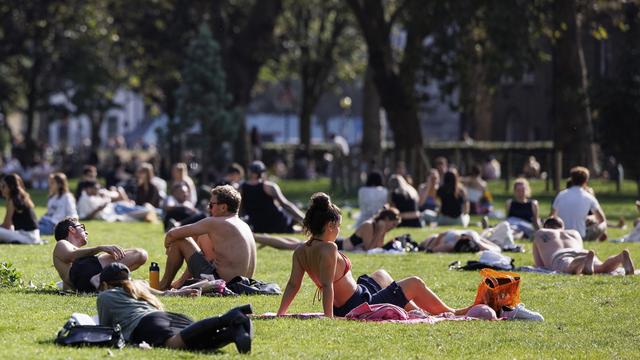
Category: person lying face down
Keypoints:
(457, 241)
(225, 246)
(561, 250)
(330, 270)
(79, 267)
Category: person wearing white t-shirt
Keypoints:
(61, 203)
(573, 205)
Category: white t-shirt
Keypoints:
(573, 205)
(59, 207)
(88, 203)
(370, 200)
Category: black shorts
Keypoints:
(155, 328)
(81, 272)
(371, 292)
(198, 264)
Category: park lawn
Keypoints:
(586, 317)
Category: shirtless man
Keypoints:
(561, 250)
(225, 247)
(457, 241)
(79, 268)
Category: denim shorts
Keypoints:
(371, 292)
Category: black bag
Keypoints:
(246, 286)
(90, 335)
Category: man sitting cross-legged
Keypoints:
(78, 267)
(225, 246)
(561, 250)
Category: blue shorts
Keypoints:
(371, 292)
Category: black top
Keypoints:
(81, 185)
(355, 240)
(521, 210)
(451, 205)
(404, 202)
(151, 196)
(263, 214)
(24, 219)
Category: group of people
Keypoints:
(222, 245)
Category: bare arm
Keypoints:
(537, 258)
(274, 190)
(536, 218)
(8, 222)
(69, 253)
(192, 230)
(293, 285)
(599, 214)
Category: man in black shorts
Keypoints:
(79, 268)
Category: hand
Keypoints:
(115, 251)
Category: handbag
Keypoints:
(90, 335)
(498, 289)
(246, 286)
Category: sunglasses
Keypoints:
(80, 226)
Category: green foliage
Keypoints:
(9, 276)
(202, 97)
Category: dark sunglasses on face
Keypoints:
(80, 226)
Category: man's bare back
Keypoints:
(546, 242)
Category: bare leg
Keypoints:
(133, 258)
(611, 263)
(178, 251)
(175, 342)
(383, 279)
(278, 242)
(629, 268)
(588, 267)
(416, 290)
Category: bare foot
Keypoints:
(587, 269)
(629, 269)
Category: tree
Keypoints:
(203, 98)
(320, 46)
(618, 98)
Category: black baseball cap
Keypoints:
(257, 167)
(115, 272)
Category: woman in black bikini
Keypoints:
(330, 270)
(370, 234)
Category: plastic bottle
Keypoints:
(154, 275)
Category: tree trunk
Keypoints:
(371, 126)
(482, 106)
(572, 117)
(96, 121)
(306, 111)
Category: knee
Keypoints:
(415, 281)
(381, 273)
(141, 255)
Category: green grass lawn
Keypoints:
(586, 317)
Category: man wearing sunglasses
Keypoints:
(221, 245)
(80, 267)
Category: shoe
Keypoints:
(520, 313)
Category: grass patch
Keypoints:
(586, 317)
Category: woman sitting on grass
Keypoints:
(141, 317)
(20, 222)
(330, 270)
(404, 197)
(61, 204)
(522, 211)
(370, 234)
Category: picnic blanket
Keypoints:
(386, 313)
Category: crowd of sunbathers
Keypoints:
(221, 244)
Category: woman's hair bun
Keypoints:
(320, 200)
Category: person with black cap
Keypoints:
(263, 214)
(142, 318)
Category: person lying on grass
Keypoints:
(369, 235)
(141, 317)
(225, 246)
(457, 241)
(561, 250)
(79, 267)
(330, 270)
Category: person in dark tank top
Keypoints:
(522, 211)
(20, 225)
(264, 206)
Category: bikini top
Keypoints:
(347, 268)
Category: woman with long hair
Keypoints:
(146, 191)
(404, 197)
(60, 205)
(370, 234)
(142, 317)
(371, 197)
(20, 222)
(454, 206)
(330, 270)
